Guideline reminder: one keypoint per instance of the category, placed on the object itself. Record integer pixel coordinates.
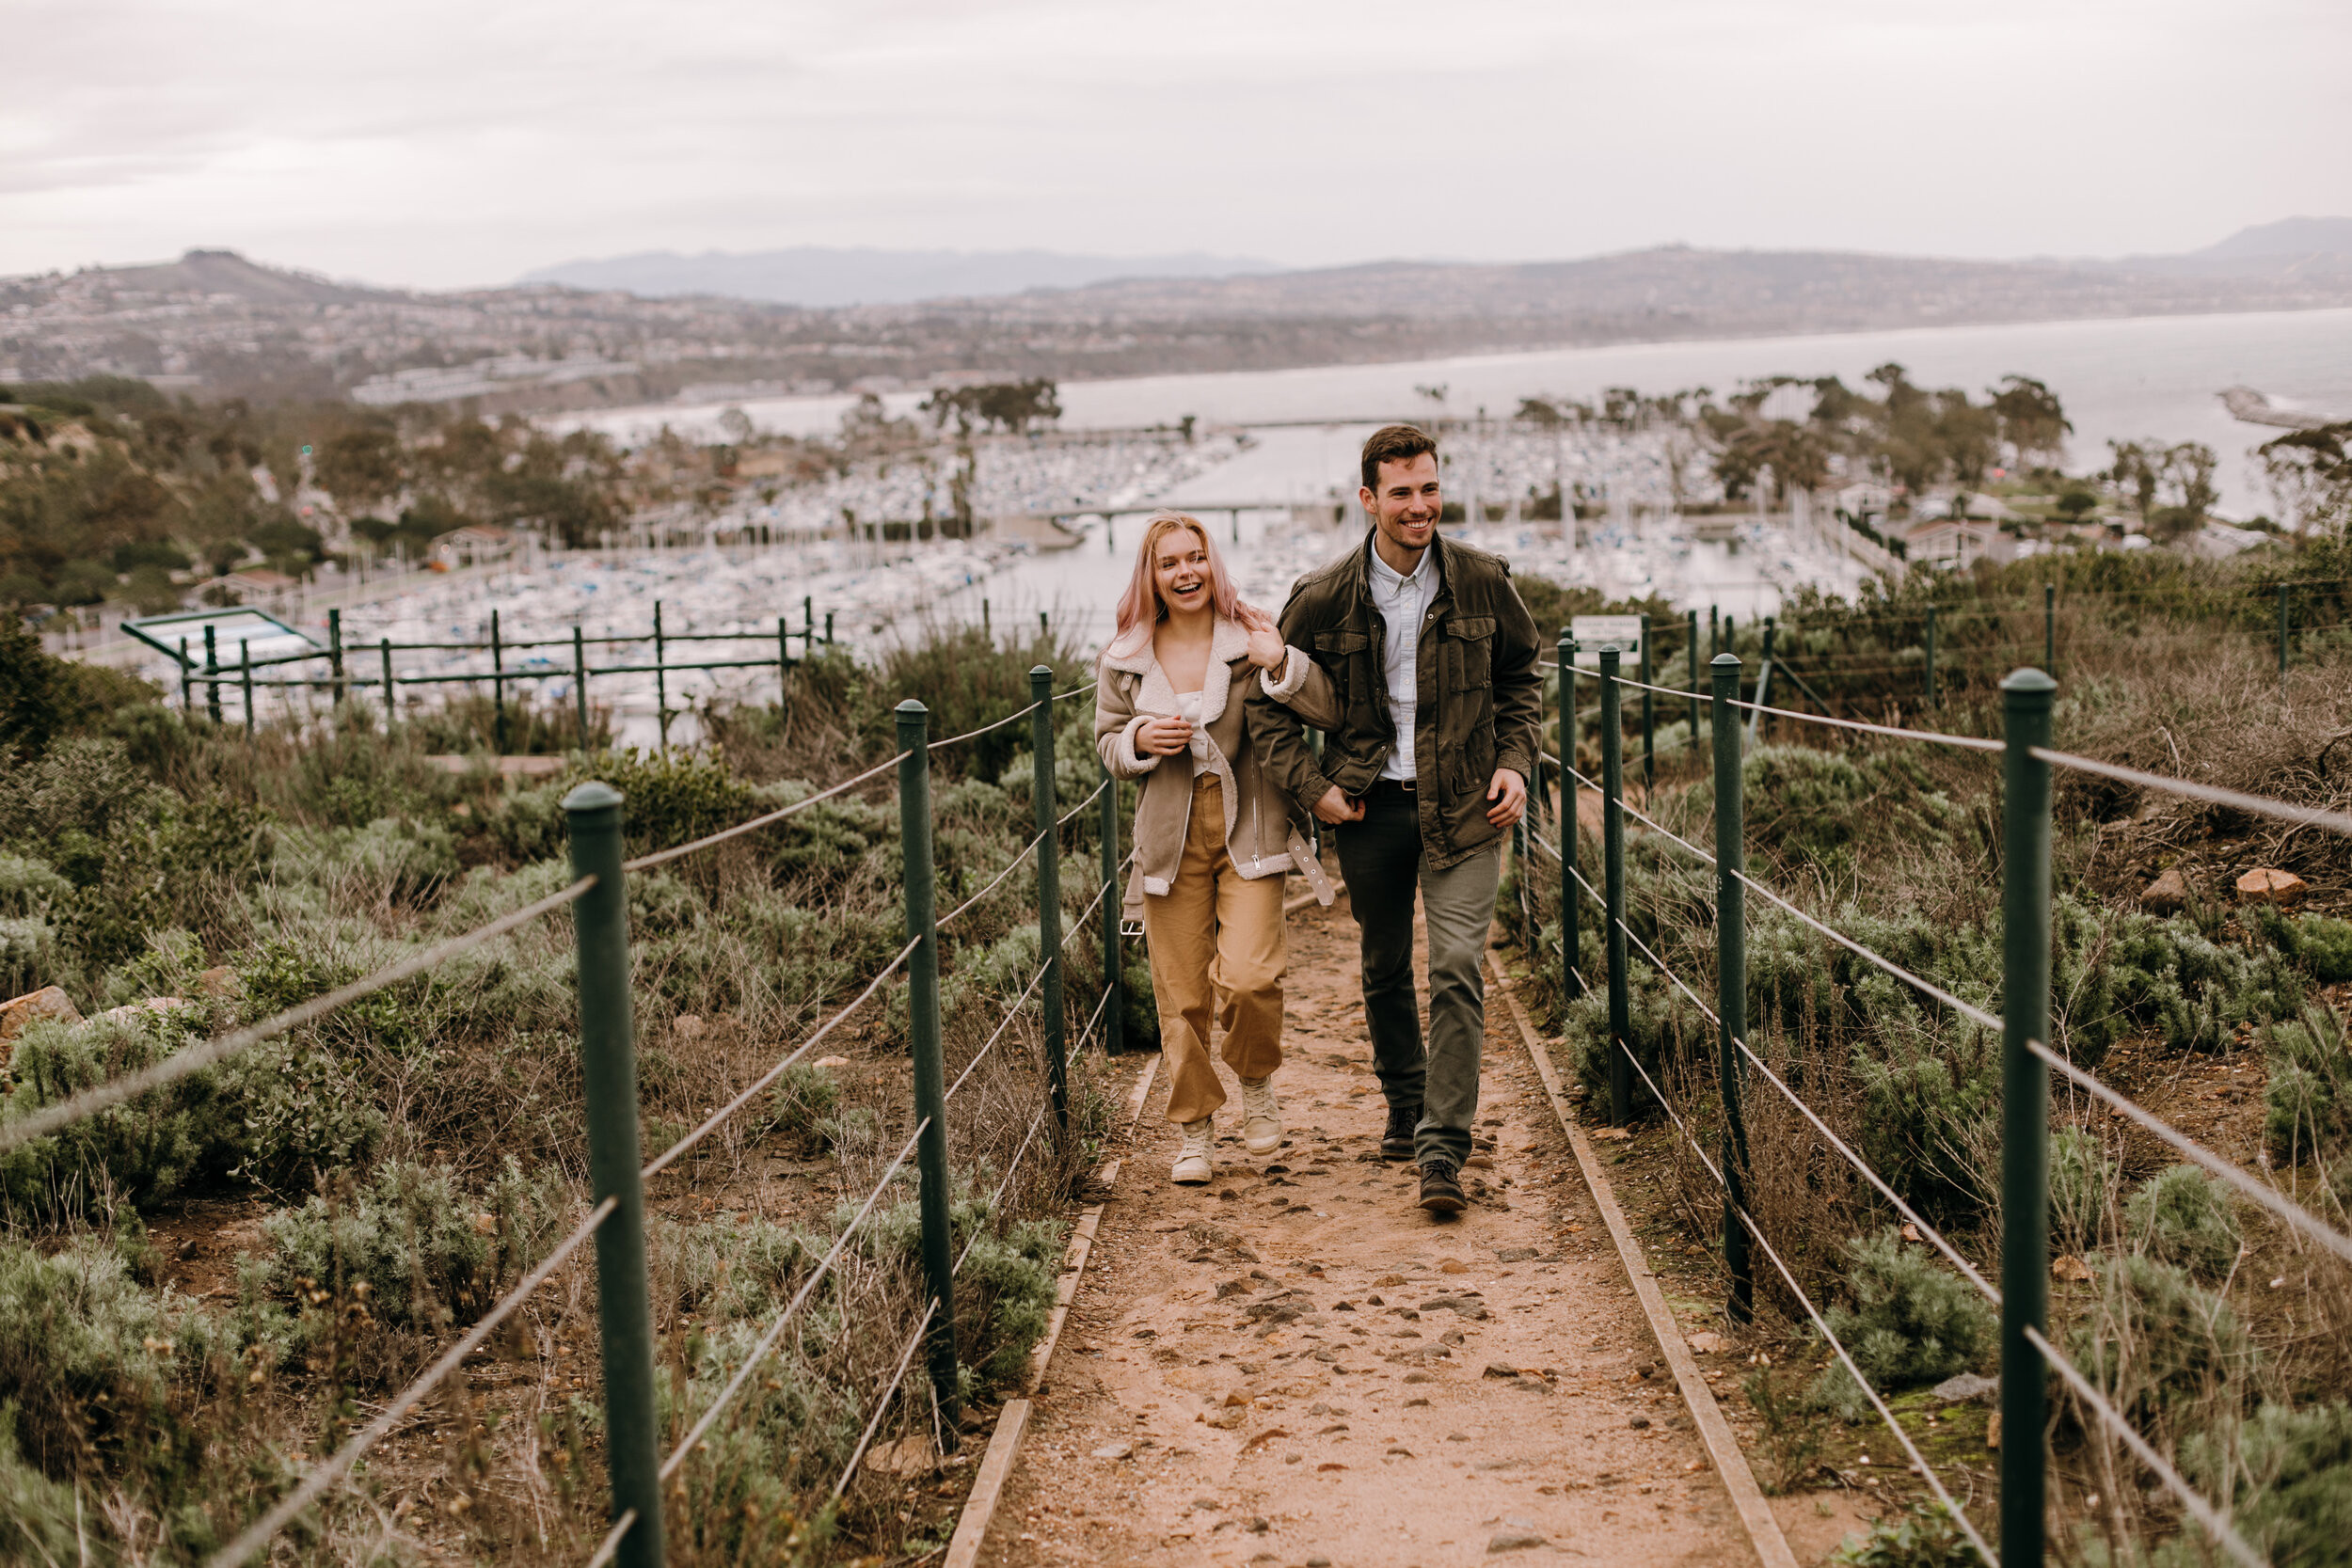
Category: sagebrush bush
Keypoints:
(2154, 1341)
(2308, 1096)
(430, 1251)
(2182, 1215)
(1922, 1537)
(1913, 1320)
(2082, 1178)
(2285, 1478)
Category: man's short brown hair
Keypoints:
(1395, 443)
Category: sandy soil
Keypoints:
(1296, 1364)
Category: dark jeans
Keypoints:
(1382, 858)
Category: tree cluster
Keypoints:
(1011, 406)
(1911, 436)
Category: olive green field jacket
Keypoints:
(1479, 695)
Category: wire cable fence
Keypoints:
(616, 1220)
(2021, 1297)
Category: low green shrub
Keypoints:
(801, 1097)
(1913, 1322)
(2308, 1098)
(2081, 1178)
(2285, 1478)
(2155, 1341)
(2182, 1215)
(1922, 1537)
(430, 1251)
(2321, 944)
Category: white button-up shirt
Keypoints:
(1402, 602)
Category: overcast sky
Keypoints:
(440, 143)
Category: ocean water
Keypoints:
(2120, 380)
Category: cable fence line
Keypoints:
(710, 1123)
(612, 1541)
(52, 1118)
(2280, 1208)
(2282, 811)
(662, 857)
(985, 729)
(2199, 1507)
(998, 881)
(257, 1535)
(882, 1402)
(1965, 742)
(767, 1341)
(2021, 1293)
(1920, 1461)
(602, 975)
(1934, 1237)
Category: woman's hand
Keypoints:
(1266, 649)
(1163, 737)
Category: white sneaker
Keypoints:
(1192, 1160)
(1261, 1115)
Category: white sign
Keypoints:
(1591, 631)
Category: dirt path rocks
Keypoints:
(1295, 1366)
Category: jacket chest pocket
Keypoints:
(1468, 653)
(1343, 655)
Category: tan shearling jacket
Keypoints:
(1262, 827)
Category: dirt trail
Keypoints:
(1294, 1365)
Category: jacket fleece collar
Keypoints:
(1227, 641)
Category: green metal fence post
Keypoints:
(2026, 700)
(1571, 896)
(2283, 631)
(2049, 629)
(1042, 797)
(930, 1082)
(188, 682)
(1731, 979)
(808, 624)
(828, 628)
(244, 680)
(1691, 649)
(1649, 728)
(498, 686)
(661, 681)
(1931, 649)
(608, 1053)
(1043, 633)
(335, 653)
(579, 683)
(211, 671)
(384, 648)
(1114, 968)
(1613, 886)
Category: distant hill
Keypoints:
(2288, 237)
(225, 275)
(820, 276)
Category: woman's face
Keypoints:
(1180, 570)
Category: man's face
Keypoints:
(1405, 506)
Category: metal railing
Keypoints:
(2022, 1298)
(617, 1172)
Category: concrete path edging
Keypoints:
(1723, 1445)
(1004, 1444)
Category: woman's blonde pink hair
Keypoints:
(1139, 607)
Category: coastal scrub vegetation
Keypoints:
(2228, 1340)
(205, 1289)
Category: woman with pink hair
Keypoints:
(1214, 834)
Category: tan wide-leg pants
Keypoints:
(1216, 940)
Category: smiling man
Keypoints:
(1421, 671)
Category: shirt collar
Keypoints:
(1389, 579)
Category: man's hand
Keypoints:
(1266, 650)
(1509, 794)
(1163, 737)
(1336, 808)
